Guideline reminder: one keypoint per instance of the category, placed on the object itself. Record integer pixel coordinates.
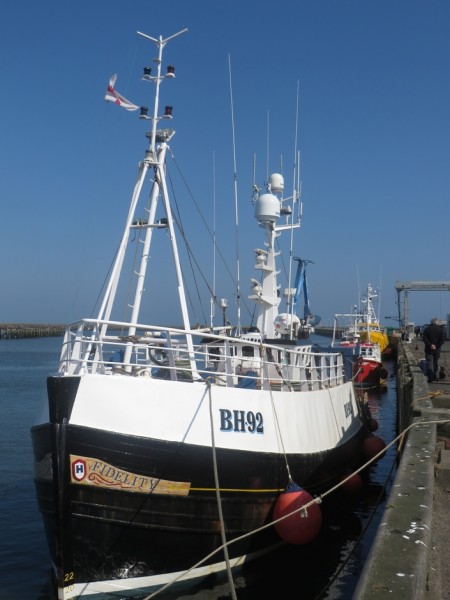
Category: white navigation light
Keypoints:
(276, 183)
(267, 208)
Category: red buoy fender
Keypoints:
(373, 424)
(352, 485)
(302, 526)
(373, 445)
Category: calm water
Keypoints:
(328, 568)
(24, 559)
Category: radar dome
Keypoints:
(267, 208)
(276, 182)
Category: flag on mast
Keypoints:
(113, 96)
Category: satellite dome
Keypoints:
(276, 183)
(267, 208)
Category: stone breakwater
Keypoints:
(10, 331)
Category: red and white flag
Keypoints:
(113, 96)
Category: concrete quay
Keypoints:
(410, 557)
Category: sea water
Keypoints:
(24, 558)
(327, 568)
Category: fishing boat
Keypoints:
(163, 454)
(369, 370)
(369, 326)
(362, 356)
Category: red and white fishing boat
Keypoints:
(367, 369)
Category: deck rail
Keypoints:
(102, 347)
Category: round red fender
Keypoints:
(353, 485)
(373, 425)
(301, 527)
(384, 373)
(372, 445)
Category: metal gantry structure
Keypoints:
(415, 286)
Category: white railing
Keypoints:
(92, 346)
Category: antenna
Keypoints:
(359, 287)
(268, 145)
(294, 196)
(379, 300)
(238, 284)
(213, 298)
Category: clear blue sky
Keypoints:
(374, 136)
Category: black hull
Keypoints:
(97, 534)
(102, 534)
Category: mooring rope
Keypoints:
(225, 544)
(301, 509)
(219, 500)
(274, 412)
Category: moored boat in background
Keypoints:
(163, 454)
(367, 369)
(369, 326)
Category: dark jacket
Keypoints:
(433, 335)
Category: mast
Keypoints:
(109, 297)
(155, 157)
(266, 292)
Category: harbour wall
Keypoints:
(10, 331)
(410, 554)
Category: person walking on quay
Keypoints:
(433, 337)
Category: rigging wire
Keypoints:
(191, 253)
(192, 256)
(277, 242)
(105, 281)
(181, 229)
(208, 229)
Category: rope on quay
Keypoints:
(317, 500)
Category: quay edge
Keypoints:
(410, 554)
